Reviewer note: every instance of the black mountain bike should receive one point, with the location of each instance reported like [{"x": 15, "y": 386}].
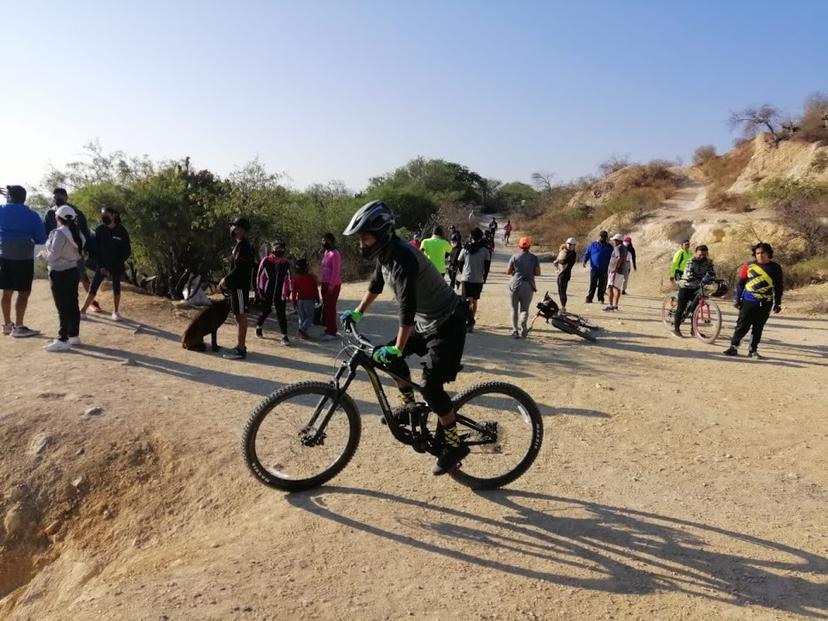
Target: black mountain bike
[
  {"x": 304, "y": 434},
  {"x": 566, "y": 322}
]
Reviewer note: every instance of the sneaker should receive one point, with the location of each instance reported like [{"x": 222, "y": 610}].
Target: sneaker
[
  {"x": 587, "y": 301},
  {"x": 74, "y": 340},
  {"x": 731, "y": 351},
  {"x": 515, "y": 334},
  {"x": 752, "y": 353},
  {"x": 449, "y": 458},
  {"x": 259, "y": 332},
  {"x": 57, "y": 345},
  {"x": 677, "y": 333},
  {"x": 235, "y": 354},
  {"x": 285, "y": 340},
  {"x": 609, "y": 308},
  {"x": 116, "y": 317},
  {"x": 8, "y": 328},
  {"x": 22, "y": 332},
  {"x": 623, "y": 293},
  {"x": 524, "y": 333}
]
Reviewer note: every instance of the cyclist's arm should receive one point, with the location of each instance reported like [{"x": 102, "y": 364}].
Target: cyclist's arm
[
  {"x": 366, "y": 301},
  {"x": 741, "y": 282},
  {"x": 375, "y": 287},
  {"x": 510, "y": 269},
  {"x": 403, "y": 334}
]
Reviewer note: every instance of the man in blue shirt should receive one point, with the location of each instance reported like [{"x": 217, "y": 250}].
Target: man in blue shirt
[
  {"x": 598, "y": 254},
  {"x": 20, "y": 229}
]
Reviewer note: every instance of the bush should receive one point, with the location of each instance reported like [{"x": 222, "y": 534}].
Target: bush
[
  {"x": 801, "y": 205},
  {"x": 726, "y": 201},
  {"x": 704, "y": 154},
  {"x": 807, "y": 272},
  {"x": 812, "y": 126},
  {"x": 613, "y": 164}
]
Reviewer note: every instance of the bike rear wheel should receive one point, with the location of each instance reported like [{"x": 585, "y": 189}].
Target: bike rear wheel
[
  {"x": 278, "y": 445},
  {"x": 707, "y": 321},
  {"x": 581, "y": 321},
  {"x": 668, "y": 311},
  {"x": 571, "y": 328},
  {"x": 504, "y": 430}
]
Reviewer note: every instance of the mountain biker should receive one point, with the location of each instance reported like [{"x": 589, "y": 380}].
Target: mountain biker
[
  {"x": 758, "y": 291},
  {"x": 523, "y": 267},
  {"x": 598, "y": 255},
  {"x": 475, "y": 256},
  {"x": 565, "y": 261},
  {"x": 436, "y": 248},
  {"x": 695, "y": 272},
  {"x": 615, "y": 272},
  {"x": 507, "y": 232},
  {"x": 237, "y": 282},
  {"x": 432, "y": 320},
  {"x": 680, "y": 259},
  {"x": 631, "y": 264}
]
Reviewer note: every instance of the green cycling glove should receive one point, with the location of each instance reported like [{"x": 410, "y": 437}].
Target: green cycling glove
[{"x": 387, "y": 354}]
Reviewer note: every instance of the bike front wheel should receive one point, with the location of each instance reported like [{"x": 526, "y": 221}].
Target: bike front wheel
[
  {"x": 707, "y": 321},
  {"x": 668, "y": 312},
  {"x": 503, "y": 428},
  {"x": 283, "y": 444},
  {"x": 573, "y": 328}
]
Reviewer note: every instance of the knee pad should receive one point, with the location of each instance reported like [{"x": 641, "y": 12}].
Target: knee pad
[{"x": 435, "y": 395}]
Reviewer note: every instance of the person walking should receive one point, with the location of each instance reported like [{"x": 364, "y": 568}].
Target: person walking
[
  {"x": 237, "y": 284},
  {"x": 564, "y": 263},
  {"x": 523, "y": 268},
  {"x": 273, "y": 288},
  {"x": 507, "y": 232},
  {"x": 695, "y": 272},
  {"x": 305, "y": 297},
  {"x": 112, "y": 248},
  {"x": 493, "y": 227},
  {"x": 680, "y": 259},
  {"x": 615, "y": 272},
  {"x": 598, "y": 255},
  {"x": 631, "y": 264},
  {"x": 62, "y": 253},
  {"x": 452, "y": 263},
  {"x": 331, "y": 284},
  {"x": 436, "y": 248},
  {"x": 474, "y": 257},
  {"x": 20, "y": 229},
  {"x": 758, "y": 291}
]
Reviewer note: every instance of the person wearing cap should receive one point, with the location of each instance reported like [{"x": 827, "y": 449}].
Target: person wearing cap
[
  {"x": 598, "y": 255},
  {"x": 680, "y": 259},
  {"x": 20, "y": 229},
  {"x": 523, "y": 268},
  {"x": 62, "y": 253},
  {"x": 111, "y": 249},
  {"x": 564, "y": 262},
  {"x": 615, "y": 272},
  {"x": 61, "y": 198},
  {"x": 237, "y": 284},
  {"x": 630, "y": 265},
  {"x": 273, "y": 288}
]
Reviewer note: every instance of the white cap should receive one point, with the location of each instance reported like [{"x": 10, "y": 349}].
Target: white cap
[
  {"x": 65, "y": 212},
  {"x": 571, "y": 240},
  {"x": 618, "y": 237}
]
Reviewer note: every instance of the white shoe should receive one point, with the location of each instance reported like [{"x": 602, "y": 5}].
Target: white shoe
[
  {"x": 57, "y": 345},
  {"x": 74, "y": 340},
  {"x": 116, "y": 317}
]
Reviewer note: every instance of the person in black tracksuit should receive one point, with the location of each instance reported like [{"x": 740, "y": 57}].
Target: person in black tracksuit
[
  {"x": 237, "y": 284},
  {"x": 111, "y": 248},
  {"x": 758, "y": 291},
  {"x": 569, "y": 259},
  {"x": 273, "y": 286}
]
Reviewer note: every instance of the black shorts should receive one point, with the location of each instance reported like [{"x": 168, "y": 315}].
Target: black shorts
[
  {"x": 16, "y": 275},
  {"x": 443, "y": 350},
  {"x": 240, "y": 301},
  {"x": 472, "y": 290}
]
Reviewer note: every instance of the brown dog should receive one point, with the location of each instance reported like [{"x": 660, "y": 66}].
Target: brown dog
[{"x": 206, "y": 322}]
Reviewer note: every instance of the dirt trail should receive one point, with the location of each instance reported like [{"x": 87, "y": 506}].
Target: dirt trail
[{"x": 673, "y": 482}]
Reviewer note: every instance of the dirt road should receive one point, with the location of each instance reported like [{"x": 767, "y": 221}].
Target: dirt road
[{"x": 673, "y": 482}]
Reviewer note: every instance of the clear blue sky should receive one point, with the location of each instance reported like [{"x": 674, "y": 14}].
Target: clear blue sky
[{"x": 348, "y": 90}]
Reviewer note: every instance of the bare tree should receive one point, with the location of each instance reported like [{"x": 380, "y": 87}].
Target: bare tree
[
  {"x": 613, "y": 164},
  {"x": 754, "y": 120},
  {"x": 542, "y": 180}
]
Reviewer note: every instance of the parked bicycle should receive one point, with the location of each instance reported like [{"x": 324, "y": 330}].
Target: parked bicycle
[
  {"x": 566, "y": 322},
  {"x": 703, "y": 313},
  {"x": 303, "y": 435}
]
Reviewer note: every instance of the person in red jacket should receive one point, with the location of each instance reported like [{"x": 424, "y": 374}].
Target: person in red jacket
[
  {"x": 305, "y": 297},
  {"x": 273, "y": 286}
]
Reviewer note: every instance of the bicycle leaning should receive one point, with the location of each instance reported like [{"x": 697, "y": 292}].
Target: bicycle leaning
[
  {"x": 304, "y": 434},
  {"x": 704, "y": 314}
]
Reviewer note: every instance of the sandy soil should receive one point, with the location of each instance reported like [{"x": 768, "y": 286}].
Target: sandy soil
[{"x": 673, "y": 483}]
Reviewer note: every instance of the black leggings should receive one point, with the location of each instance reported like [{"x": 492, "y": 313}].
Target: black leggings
[
  {"x": 65, "y": 293},
  {"x": 280, "y": 314},
  {"x": 563, "y": 283},
  {"x": 597, "y": 284},
  {"x": 98, "y": 278},
  {"x": 685, "y": 296},
  {"x": 752, "y": 316}
]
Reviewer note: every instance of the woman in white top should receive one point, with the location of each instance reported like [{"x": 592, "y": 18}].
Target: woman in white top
[{"x": 62, "y": 253}]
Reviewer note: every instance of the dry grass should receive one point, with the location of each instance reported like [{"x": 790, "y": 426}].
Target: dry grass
[{"x": 721, "y": 172}]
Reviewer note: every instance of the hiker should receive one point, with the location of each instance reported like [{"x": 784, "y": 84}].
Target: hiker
[
  {"x": 758, "y": 291},
  {"x": 61, "y": 198},
  {"x": 680, "y": 259},
  {"x": 111, "y": 249},
  {"x": 237, "y": 284},
  {"x": 453, "y": 264},
  {"x": 62, "y": 253},
  {"x": 436, "y": 248},
  {"x": 631, "y": 264},
  {"x": 507, "y": 232},
  {"x": 615, "y": 272},
  {"x": 331, "y": 284},
  {"x": 598, "y": 255},
  {"x": 273, "y": 288},
  {"x": 20, "y": 229},
  {"x": 474, "y": 257},
  {"x": 564, "y": 263},
  {"x": 523, "y": 268},
  {"x": 305, "y": 297},
  {"x": 493, "y": 226}
]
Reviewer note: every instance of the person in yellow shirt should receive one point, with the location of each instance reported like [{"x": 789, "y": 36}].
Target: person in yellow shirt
[
  {"x": 436, "y": 248},
  {"x": 680, "y": 259}
]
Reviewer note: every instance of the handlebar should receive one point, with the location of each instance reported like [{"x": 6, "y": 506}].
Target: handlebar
[{"x": 351, "y": 330}]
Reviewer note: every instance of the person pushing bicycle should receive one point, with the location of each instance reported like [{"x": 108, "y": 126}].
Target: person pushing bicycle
[
  {"x": 696, "y": 272},
  {"x": 432, "y": 320}
]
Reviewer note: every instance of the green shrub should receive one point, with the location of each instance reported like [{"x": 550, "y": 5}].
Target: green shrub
[{"x": 807, "y": 272}]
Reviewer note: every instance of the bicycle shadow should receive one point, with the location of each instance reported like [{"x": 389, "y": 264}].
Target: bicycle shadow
[{"x": 591, "y": 546}]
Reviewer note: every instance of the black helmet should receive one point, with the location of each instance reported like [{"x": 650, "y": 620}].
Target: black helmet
[
  {"x": 242, "y": 223},
  {"x": 374, "y": 218}
]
